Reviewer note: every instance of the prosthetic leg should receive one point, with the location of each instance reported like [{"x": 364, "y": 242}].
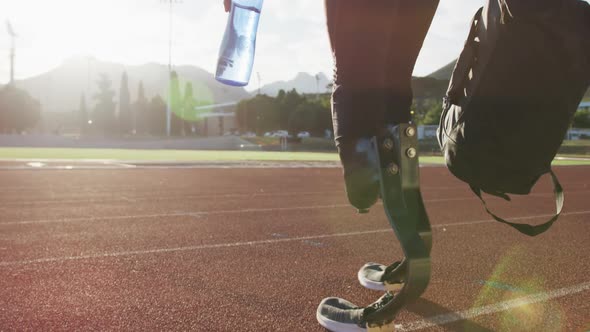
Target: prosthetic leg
[
  {"x": 395, "y": 156},
  {"x": 376, "y": 44}
]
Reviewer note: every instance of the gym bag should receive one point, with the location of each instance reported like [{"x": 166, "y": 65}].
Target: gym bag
[{"x": 514, "y": 90}]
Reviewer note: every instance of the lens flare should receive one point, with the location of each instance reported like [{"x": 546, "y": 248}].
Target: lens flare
[
  {"x": 203, "y": 97},
  {"x": 185, "y": 104},
  {"x": 511, "y": 280}
]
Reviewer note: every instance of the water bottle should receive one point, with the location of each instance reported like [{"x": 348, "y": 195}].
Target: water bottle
[{"x": 236, "y": 55}]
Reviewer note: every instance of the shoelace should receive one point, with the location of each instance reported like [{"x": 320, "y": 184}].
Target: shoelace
[{"x": 377, "y": 305}]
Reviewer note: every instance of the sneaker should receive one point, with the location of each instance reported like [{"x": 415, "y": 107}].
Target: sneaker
[
  {"x": 371, "y": 276},
  {"x": 339, "y": 315}
]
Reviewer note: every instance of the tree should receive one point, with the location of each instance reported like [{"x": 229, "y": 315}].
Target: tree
[
  {"x": 18, "y": 110},
  {"x": 427, "y": 111},
  {"x": 104, "y": 111},
  {"x": 433, "y": 113},
  {"x": 281, "y": 96},
  {"x": 581, "y": 119},
  {"x": 429, "y": 88},
  {"x": 310, "y": 116},
  {"x": 188, "y": 105},
  {"x": 259, "y": 114},
  {"x": 246, "y": 116},
  {"x": 83, "y": 115},
  {"x": 289, "y": 110},
  {"x": 157, "y": 116},
  {"x": 176, "y": 120},
  {"x": 140, "y": 112},
  {"x": 124, "y": 106},
  {"x": 287, "y": 104}
]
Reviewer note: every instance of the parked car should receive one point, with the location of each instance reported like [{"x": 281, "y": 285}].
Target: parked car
[
  {"x": 282, "y": 133},
  {"x": 277, "y": 133},
  {"x": 232, "y": 132},
  {"x": 303, "y": 134}
]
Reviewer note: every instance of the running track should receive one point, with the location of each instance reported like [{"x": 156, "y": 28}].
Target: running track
[{"x": 241, "y": 249}]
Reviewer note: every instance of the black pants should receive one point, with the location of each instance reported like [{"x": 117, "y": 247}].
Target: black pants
[{"x": 375, "y": 45}]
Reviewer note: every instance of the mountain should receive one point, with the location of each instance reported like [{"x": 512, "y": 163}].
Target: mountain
[
  {"x": 303, "y": 83},
  {"x": 423, "y": 87},
  {"x": 59, "y": 89},
  {"x": 429, "y": 88},
  {"x": 445, "y": 72}
]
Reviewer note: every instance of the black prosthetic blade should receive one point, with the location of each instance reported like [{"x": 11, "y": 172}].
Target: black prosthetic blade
[{"x": 397, "y": 153}]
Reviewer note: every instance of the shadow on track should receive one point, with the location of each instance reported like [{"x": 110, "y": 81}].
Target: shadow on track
[{"x": 429, "y": 309}]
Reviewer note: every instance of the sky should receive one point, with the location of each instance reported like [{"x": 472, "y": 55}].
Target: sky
[{"x": 292, "y": 35}]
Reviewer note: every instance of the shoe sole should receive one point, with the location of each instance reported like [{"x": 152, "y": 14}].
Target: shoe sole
[
  {"x": 370, "y": 284},
  {"x": 377, "y": 285},
  {"x": 367, "y": 283}
]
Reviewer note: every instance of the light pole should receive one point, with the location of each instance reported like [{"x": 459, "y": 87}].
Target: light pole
[
  {"x": 317, "y": 82},
  {"x": 259, "y": 79},
  {"x": 12, "y": 50},
  {"x": 168, "y": 104}
]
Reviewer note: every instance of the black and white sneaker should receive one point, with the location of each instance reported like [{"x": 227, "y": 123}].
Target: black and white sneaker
[
  {"x": 371, "y": 276},
  {"x": 339, "y": 315}
]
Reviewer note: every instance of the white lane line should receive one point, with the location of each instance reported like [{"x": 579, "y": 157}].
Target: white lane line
[
  {"x": 36, "y": 164},
  {"x": 483, "y": 221},
  {"x": 191, "y": 248},
  {"x": 179, "y": 214},
  {"x": 249, "y": 243},
  {"x": 201, "y": 213},
  {"x": 107, "y": 199},
  {"x": 493, "y": 308}
]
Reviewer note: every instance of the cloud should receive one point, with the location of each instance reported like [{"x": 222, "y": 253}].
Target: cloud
[
  {"x": 447, "y": 34},
  {"x": 300, "y": 40}
]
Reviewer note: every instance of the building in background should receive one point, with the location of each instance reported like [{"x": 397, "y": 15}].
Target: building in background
[
  {"x": 426, "y": 132},
  {"x": 216, "y": 119}
]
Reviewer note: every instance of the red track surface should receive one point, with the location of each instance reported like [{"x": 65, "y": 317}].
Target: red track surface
[{"x": 257, "y": 249}]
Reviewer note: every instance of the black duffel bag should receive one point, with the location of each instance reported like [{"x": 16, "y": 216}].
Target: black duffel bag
[{"x": 514, "y": 90}]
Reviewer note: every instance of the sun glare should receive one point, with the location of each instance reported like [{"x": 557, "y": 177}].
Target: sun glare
[
  {"x": 109, "y": 30},
  {"x": 508, "y": 282}
]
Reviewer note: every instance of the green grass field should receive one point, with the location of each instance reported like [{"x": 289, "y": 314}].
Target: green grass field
[
  {"x": 196, "y": 156},
  {"x": 580, "y": 142},
  {"x": 161, "y": 155}
]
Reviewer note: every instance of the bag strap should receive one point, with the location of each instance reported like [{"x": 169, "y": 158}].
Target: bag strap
[
  {"x": 527, "y": 229},
  {"x": 465, "y": 62}
]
